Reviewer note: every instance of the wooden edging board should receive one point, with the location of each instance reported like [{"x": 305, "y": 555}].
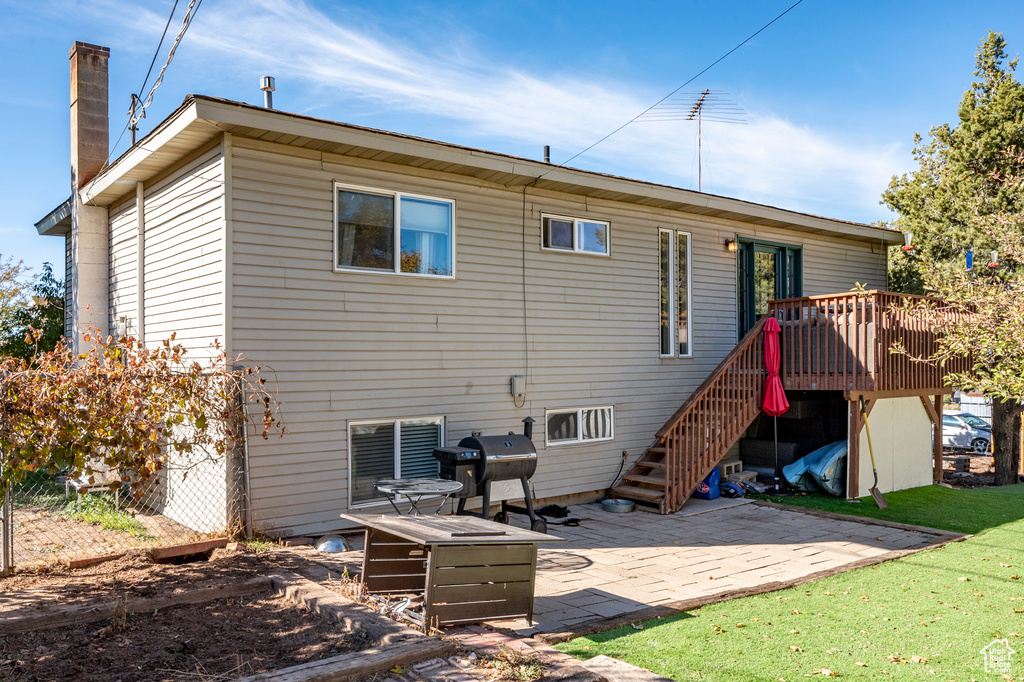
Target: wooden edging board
[
  {"x": 400, "y": 644},
  {"x": 62, "y": 615},
  {"x": 163, "y": 553},
  {"x": 359, "y": 664},
  {"x": 353, "y": 616},
  {"x": 672, "y": 608}
]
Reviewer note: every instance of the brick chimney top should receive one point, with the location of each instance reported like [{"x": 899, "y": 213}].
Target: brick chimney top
[
  {"x": 88, "y": 49},
  {"x": 89, "y": 115}
]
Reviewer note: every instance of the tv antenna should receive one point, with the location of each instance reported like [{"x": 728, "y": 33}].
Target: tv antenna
[{"x": 711, "y": 105}]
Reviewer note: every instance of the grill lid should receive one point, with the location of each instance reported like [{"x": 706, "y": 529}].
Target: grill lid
[{"x": 513, "y": 446}]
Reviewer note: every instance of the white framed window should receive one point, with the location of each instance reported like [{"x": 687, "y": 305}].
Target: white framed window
[
  {"x": 391, "y": 448},
  {"x": 674, "y": 292},
  {"x": 561, "y": 233},
  {"x": 580, "y": 425},
  {"x": 393, "y": 232}
]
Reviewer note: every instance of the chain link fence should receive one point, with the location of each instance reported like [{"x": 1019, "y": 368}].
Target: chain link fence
[{"x": 52, "y": 519}]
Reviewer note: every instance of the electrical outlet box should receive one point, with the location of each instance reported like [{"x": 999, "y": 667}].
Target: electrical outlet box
[{"x": 518, "y": 386}]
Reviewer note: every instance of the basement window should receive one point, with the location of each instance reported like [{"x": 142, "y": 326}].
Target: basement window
[
  {"x": 561, "y": 233},
  {"x": 393, "y": 232},
  {"x": 394, "y": 448},
  {"x": 581, "y": 425}
]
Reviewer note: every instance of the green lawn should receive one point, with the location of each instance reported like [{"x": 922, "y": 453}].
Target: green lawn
[
  {"x": 99, "y": 510},
  {"x": 926, "y": 616},
  {"x": 959, "y": 510}
]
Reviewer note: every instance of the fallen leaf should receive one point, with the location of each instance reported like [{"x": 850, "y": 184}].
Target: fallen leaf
[
  {"x": 861, "y": 664},
  {"x": 794, "y": 632},
  {"x": 793, "y": 647},
  {"x": 796, "y": 612},
  {"x": 918, "y": 659},
  {"x": 636, "y": 626},
  {"x": 740, "y": 625},
  {"x": 1004, "y": 565},
  {"x": 398, "y": 670},
  {"x": 897, "y": 659},
  {"x": 964, "y": 579}
]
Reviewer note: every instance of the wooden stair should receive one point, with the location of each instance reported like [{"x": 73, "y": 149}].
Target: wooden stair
[{"x": 701, "y": 432}]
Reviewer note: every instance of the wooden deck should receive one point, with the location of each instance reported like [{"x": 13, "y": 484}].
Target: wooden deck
[{"x": 866, "y": 344}]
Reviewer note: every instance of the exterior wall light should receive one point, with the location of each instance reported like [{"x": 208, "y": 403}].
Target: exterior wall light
[{"x": 732, "y": 245}]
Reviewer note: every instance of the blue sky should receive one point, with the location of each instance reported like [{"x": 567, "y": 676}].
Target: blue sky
[{"x": 832, "y": 93}]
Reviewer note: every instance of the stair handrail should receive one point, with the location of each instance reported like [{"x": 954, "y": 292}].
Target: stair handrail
[
  {"x": 750, "y": 338},
  {"x": 696, "y": 439}
]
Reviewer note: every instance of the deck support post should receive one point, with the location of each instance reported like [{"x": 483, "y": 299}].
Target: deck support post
[
  {"x": 937, "y": 440},
  {"x": 853, "y": 453}
]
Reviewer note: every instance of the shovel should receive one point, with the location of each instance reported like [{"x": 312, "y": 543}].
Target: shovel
[{"x": 875, "y": 492}]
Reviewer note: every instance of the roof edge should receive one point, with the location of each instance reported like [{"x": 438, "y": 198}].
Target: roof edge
[{"x": 57, "y": 222}]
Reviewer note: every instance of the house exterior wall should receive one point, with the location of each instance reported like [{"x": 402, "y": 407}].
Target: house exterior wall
[
  {"x": 350, "y": 346},
  {"x": 183, "y": 290},
  {"x": 184, "y": 280},
  {"x": 901, "y": 434}
]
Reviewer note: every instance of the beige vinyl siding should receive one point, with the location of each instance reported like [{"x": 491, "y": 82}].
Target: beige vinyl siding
[
  {"x": 184, "y": 269},
  {"x": 351, "y": 346},
  {"x": 68, "y": 288},
  {"x": 124, "y": 261},
  {"x": 183, "y": 294}
]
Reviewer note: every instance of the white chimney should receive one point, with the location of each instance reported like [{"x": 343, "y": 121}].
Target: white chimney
[{"x": 90, "y": 138}]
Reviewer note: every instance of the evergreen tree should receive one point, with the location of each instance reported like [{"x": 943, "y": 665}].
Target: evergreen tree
[
  {"x": 968, "y": 194},
  {"x": 965, "y": 172}
]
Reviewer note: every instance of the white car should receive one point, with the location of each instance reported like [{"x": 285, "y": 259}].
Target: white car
[{"x": 963, "y": 431}]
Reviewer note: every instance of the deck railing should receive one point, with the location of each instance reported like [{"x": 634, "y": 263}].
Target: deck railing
[
  {"x": 844, "y": 342},
  {"x": 703, "y": 429},
  {"x": 836, "y": 342}
]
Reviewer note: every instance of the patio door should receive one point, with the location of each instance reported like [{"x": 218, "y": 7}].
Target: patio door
[{"x": 765, "y": 272}]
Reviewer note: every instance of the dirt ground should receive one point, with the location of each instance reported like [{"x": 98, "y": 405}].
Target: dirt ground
[
  {"x": 222, "y": 639},
  {"x": 982, "y": 472},
  {"x": 218, "y": 640},
  {"x": 134, "y": 575}
]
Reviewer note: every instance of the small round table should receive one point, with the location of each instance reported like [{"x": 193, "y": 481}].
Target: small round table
[{"x": 417, "y": 490}]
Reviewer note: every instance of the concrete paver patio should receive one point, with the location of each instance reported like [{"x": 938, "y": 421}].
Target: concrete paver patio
[{"x": 613, "y": 565}]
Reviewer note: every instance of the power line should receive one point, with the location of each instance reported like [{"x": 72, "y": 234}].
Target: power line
[
  {"x": 156, "y": 53},
  {"x": 140, "y": 112},
  {"x": 136, "y": 99},
  {"x": 695, "y": 77}
]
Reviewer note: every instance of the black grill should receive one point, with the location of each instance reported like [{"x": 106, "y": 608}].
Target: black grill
[{"x": 479, "y": 461}]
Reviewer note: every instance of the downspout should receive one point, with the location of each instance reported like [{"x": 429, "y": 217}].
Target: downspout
[{"x": 140, "y": 269}]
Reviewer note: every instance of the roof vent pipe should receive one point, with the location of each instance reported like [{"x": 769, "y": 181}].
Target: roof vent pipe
[
  {"x": 547, "y": 153},
  {"x": 267, "y": 86}
]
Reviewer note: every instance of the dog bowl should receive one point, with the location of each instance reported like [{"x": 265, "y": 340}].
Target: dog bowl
[
  {"x": 617, "y": 506},
  {"x": 332, "y": 544}
]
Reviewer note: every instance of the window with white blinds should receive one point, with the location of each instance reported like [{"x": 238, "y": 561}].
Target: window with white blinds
[
  {"x": 401, "y": 448},
  {"x": 580, "y": 425}
]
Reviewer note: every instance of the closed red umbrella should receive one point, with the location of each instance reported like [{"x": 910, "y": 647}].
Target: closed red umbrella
[
  {"x": 773, "y": 399},
  {"x": 773, "y": 396}
]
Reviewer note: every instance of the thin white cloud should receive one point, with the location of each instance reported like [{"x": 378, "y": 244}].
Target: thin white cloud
[{"x": 346, "y": 58}]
